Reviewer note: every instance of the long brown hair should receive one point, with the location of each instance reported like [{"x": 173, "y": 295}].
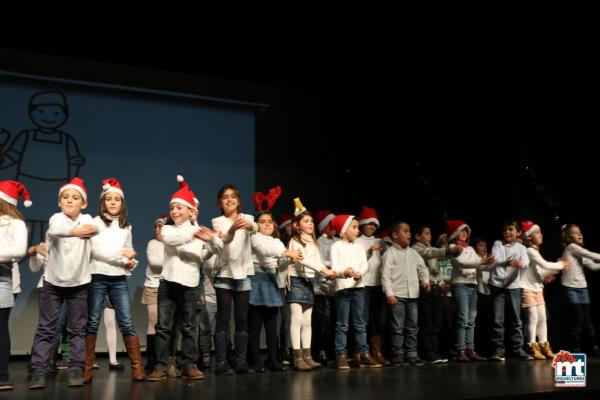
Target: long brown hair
[
  {"x": 296, "y": 234},
  {"x": 565, "y": 234},
  {"x": 8, "y": 209},
  {"x": 235, "y": 191},
  {"x": 123, "y": 223}
]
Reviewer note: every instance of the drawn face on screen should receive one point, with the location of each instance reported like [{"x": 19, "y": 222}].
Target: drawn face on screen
[{"x": 48, "y": 116}]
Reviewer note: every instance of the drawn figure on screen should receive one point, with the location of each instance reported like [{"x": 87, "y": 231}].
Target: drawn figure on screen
[
  {"x": 4, "y": 138},
  {"x": 58, "y": 150}
]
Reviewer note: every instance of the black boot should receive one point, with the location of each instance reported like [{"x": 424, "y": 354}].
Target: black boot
[
  {"x": 241, "y": 351},
  {"x": 221, "y": 344},
  {"x": 150, "y": 354}
]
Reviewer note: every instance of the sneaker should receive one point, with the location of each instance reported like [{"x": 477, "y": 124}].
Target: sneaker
[
  {"x": 415, "y": 362},
  {"x": 398, "y": 361},
  {"x": 497, "y": 357},
  {"x": 436, "y": 359},
  {"x": 5, "y": 383},
  {"x": 366, "y": 360},
  {"x": 38, "y": 380},
  {"x": 96, "y": 366},
  {"x": 521, "y": 355},
  {"x": 62, "y": 364},
  {"x": 222, "y": 368},
  {"x": 117, "y": 366},
  {"x": 75, "y": 377}
]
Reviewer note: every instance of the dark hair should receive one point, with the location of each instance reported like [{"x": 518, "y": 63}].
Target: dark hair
[
  {"x": 222, "y": 192},
  {"x": 476, "y": 241},
  {"x": 512, "y": 222},
  {"x": 123, "y": 223},
  {"x": 296, "y": 234},
  {"x": 275, "y": 233},
  {"x": 564, "y": 233},
  {"x": 395, "y": 226}
]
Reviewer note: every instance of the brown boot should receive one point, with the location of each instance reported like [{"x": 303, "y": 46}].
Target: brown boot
[
  {"x": 474, "y": 356},
  {"x": 366, "y": 360},
  {"x": 299, "y": 363},
  {"x": 90, "y": 357},
  {"x": 157, "y": 375},
  {"x": 376, "y": 351},
  {"x": 356, "y": 358},
  {"x": 534, "y": 351},
  {"x": 172, "y": 370},
  {"x": 192, "y": 373},
  {"x": 546, "y": 350},
  {"x": 462, "y": 357},
  {"x": 132, "y": 345},
  {"x": 308, "y": 359},
  {"x": 342, "y": 361}
]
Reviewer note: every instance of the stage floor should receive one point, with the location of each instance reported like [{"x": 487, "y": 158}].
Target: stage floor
[{"x": 516, "y": 379}]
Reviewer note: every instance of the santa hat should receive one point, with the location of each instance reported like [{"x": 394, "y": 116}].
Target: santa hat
[
  {"x": 454, "y": 227},
  {"x": 11, "y": 190},
  {"x": 384, "y": 234},
  {"x": 112, "y": 185},
  {"x": 184, "y": 195},
  {"x": 75, "y": 184},
  {"x": 298, "y": 207},
  {"x": 285, "y": 220},
  {"x": 529, "y": 227},
  {"x": 341, "y": 223},
  {"x": 367, "y": 216},
  {"x": 323, "y": 219}
]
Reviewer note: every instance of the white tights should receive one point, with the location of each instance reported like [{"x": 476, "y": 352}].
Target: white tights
[
  {"x": 536, "y": 326},
  {"x": 111, "y": 334},
  {"x": 300, "y": 326}
]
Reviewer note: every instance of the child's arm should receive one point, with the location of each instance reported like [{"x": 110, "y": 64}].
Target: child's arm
[
  {"x": 500, "y": 259},
  {"x": 580, "y": 252},
  {"x": 363, "y": 266},
  {"x": 59, "y": 226},
  {"x": 536, "y": 258},
  {"x": 155, "y": 253},
  {"x": 176, "y": 236},
  {"x": 423, "y": 272},
  {"x": 37, "y": 257},
  {"x": 337, "y": 269},
  {"x": 386, "y": 278},
  {"x": 106, "y": 253},
  {"x": 469, "y": 259},
  {"x": 17, "y": 242}
]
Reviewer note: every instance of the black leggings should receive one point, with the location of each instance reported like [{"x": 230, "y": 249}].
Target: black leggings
[
  {"x": 581, "y": 322},
  {"x": 240, "y": 310},
  {"x": 257, "y": 315},
  {"x": 4, "y": 340}
]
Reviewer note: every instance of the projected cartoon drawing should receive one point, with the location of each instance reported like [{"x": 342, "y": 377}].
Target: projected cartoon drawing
[
  {"x": 4, "y": 137},
  {"x": 59, "y": 150}
]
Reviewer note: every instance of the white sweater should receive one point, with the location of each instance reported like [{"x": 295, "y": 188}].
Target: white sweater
[
  {"x": 348, "y": 255},
  {"x": 155, "y": 253},
  {"x": 403, "y": 269},
  {"x": 107, "y": 248},
  {"x": 373, "y": 275},
  {"x": 13, "y": 239},
  {"x": 465, "y": 266},
  {"x": 235, "y": 261},
  {"x": 68, "y": 262},
  {"x": 38, "y": 262},
  {"x": 532, "y": 278},
  {"x": 184, "y": 254},
  {"x": 506, "y": 276},
  {"x": 578, "y": 257},
  {"x": 310, "y": 265},
  {"x": 267, "y": 253}
]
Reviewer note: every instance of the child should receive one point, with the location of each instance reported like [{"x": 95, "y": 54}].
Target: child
[
  {"x": 155, "y": 254},
  {"x": 112, "y": 261},
  {"x": 349, "y": 263},
  {"x": 532, "y": 291},
  {"x": 510, "y": 257},
  {"x": 285, "y": 234},
  {"x": 285, "y": 228},
  {"x": 13, "y": 246},
  {"x": 575, "y": 286},
  {"x": 464, "y": 289},
  {"x": 485, "y": 309},
  {"x": 431, "y": 303},
  {"x": 374, "y": 316},
  {"x": 403, "y": 269},
  {"x": 270, "y": 260},
  {"x": 187, "y": 246},
  {"x": 323, "y": 316},
  {"x": 301, "y": 290},
  {"x": 207, "y": 315},
  {"x": 232, "y": 281},
  {"x": 66, "y": 279}
]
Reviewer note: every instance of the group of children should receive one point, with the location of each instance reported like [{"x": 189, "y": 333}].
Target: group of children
[{"x": 361, "y": 286}]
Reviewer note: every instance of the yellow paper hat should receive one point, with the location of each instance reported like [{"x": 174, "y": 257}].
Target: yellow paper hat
[{"x": 298, "y": 207}]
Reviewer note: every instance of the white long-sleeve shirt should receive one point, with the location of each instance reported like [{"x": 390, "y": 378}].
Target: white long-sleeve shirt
[
  {"x": 506, "y": 276},
  {"x": 184, "y": 254},
  {"x": 68, "y": 262},
  {"x": 348, "y": 255},
  {"x": 403, "y": 269},
  {"x": 155, "y": 254},
  {"x": 465, "y": 266},
  {"x": 36, "y": 263},
  {"x": 267, "y": 253},
  {"x": 235, "y": 261},
  {"x": 532, "y": 278},
  {"x": 13, "y": 240},
  {"x": 579, "y": 258},
  {"x": 310, "y": 265},
  {"x": 107, "y": 249},
  {"x": 323, "y": 286},
  {"x": 373, "y": 275}
]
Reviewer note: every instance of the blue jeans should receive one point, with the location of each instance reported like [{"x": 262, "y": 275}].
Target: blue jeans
[
  {"x": 403, "y": 327},
  {"x": 350, "y": 301},
  {"x": 512, "y": 298},
  {"x": 577, "y": 295},
  {"x": 118, "y": 291},
  {"x": 465, "y": 298}
]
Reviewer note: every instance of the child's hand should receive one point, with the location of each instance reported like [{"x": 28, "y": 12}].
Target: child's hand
[
  {"x": 129, "y": 264},
  {"x": 129, "y": 253},
  {"x": 357, "y": 276},
  {"x": 349, "y": 272},
  {"x": 487, "y": 260},
  {"x": 32, "y": 251},
  {"x": 239, "y": 223},
  {"x": 84, "y": 231},
  {"x": 427, "y": 287},
  {"x": 295, "y": 255},
  {"x": 203, "y": 233},
  {"x": 329, "y": 274},
  {"x": 565, "y": 263},
  {"x": 375, "y": 247},
  {"x": 549, "y": 279},
  {"x": 443, "y": 287},
  {"x": 455, "y": 251},
  {"x": 517, "y": 264},
  {"x": 38, "y": 249},
  {"x": 392, "y": 300}
]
